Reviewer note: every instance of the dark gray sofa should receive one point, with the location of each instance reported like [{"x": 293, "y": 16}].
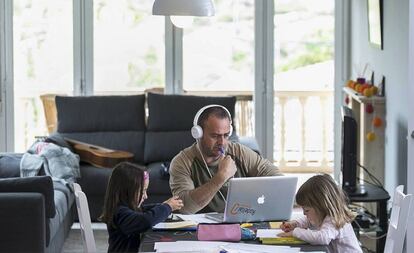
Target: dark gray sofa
[
  {"x": 121, "y": 123},
  {"x": 36, "y": 214},
  {"x": 154, "y": 128}
]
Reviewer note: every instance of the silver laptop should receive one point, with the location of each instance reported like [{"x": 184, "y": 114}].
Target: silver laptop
[{"x": 253, "y": 199}]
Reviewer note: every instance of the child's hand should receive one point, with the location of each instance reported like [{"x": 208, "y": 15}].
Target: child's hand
[
  {"x": 286, "y": 234},
  {"x": 288, "y": 226},
  {"x": 175, "y": 203}
]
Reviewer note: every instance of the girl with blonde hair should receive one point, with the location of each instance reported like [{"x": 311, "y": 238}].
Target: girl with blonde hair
[{"x": 327, "y": 218}]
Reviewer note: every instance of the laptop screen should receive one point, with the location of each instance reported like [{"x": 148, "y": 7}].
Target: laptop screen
[{"x": 260, "y": 199}]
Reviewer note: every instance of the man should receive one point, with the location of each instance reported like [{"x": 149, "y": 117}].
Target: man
[{"x": 199, "y": 174}]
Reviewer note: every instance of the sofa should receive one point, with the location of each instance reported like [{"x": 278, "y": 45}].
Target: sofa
[
  {"x": 153, "y": 127},
  {"x": 36, "y": 214}
]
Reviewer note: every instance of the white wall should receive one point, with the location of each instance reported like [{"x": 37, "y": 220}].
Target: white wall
[{"x": 391, "y": 62}]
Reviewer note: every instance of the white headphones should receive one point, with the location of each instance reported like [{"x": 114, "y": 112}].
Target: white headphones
[{"x": 197, "y": 131}]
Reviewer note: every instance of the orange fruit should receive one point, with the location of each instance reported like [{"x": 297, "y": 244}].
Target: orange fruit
[{"x": 358, "y": 87}]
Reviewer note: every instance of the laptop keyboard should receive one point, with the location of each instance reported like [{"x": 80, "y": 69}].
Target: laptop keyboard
[{"x": 215, "y": 216}]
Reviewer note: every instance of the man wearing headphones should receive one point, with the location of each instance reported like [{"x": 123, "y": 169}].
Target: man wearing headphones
[{"x": 199, "y": 174}]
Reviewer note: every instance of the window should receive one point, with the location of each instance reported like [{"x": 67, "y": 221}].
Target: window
[
  {"x": 218, "y": 57},
  {"x": 303, "y": 84},
  {"x": 218, "y": 51},
  {"x": 43, "y": 62},
  {"x": 128, "y": 47}
]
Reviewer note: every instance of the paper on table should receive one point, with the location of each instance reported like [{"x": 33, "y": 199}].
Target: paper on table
[
  {"x": 198, "y": 246},
  {"x": 187, "y": 246},
  {"x": 175, "y": 225},
  {"x": 245, "y": 247},
  {"x": 268, "y": 233},
  {"x": 199, "y": 218}
]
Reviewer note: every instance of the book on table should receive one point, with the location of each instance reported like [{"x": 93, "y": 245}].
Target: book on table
[{"x": 270, "y": 236}]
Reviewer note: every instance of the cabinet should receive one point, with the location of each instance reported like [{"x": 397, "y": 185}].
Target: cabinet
[{"x": 370, "y": 154}]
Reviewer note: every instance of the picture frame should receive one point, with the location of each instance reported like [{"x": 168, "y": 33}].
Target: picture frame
[{"x": 375, "y": 23}]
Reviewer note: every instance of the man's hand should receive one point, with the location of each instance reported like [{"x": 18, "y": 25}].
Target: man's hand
[
  {"x": 227, "y": 168},
  {"x": 175, "y": 203}
]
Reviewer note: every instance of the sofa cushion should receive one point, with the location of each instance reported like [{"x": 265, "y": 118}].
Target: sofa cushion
[
  {"x": 41, "y": 184},
  {"x": 163, "y": 146},
  {"x": 159, "y": 180},
  {"x": 176, "y": 112},
  {"x": 170, "y": 120},
  {"x": 94, "y": 180},
  {"x": 100, "y": 113},
  {"x": 10, "y": 164},
  {"x": 131, "y": 141}
]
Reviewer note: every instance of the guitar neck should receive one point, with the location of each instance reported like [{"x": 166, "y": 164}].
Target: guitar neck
[{"x": 73, "y": 142}]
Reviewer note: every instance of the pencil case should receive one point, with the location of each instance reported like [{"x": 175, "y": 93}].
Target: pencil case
[{"x": 219, "y": 232}]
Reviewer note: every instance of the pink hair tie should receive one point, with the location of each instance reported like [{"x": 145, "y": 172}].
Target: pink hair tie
[{"x": 146, "y": 175}]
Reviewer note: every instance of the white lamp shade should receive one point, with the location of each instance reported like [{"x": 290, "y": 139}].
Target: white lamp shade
[{"x": 183, "y": 8}]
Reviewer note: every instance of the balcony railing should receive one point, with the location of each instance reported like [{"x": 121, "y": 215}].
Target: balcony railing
[
  {"x": 303, "y": 142},
  {"x": 296, "y": 146}
]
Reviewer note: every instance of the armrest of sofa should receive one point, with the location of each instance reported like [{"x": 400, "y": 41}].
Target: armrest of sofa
[
  {"x": 22, "y": 222},
  {"x": 250, "y": 142},
  {"x": 10, "y": 164},
  {"x": 39, "y": 184}
]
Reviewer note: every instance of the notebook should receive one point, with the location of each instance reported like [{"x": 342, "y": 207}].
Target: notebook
[{"x": 254, "y": 199}]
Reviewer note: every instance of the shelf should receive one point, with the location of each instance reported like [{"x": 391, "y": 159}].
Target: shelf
[{"x": 363, "y": 99}]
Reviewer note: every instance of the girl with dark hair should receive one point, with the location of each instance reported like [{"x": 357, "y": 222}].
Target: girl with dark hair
[
  {"x": 327, "y": 218},
  {"x": 123, "y": 214}
]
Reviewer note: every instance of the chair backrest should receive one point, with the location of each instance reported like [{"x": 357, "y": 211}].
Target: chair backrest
[
  {"x": 88, "y": 239},
  {"x": 398, "y": 222},
  {"x": 76, "y": 187},
  {"x": 49, "y": 108}
]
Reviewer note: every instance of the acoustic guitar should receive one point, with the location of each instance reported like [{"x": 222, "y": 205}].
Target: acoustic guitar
[{"x": 99, "y": 156}]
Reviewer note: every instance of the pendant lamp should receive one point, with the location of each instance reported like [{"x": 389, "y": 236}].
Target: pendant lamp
[{"x": 183, "y": 8}]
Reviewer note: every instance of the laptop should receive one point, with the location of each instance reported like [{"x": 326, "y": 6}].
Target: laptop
[{"x": 254, "y": 199}]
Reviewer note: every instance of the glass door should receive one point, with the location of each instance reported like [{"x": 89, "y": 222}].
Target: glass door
[
  {"x": 129, "y": 51},
  {"x": 43, "y": 62},
  {"x": 303, "y": 85},
  {"x": 218, "y": 57}
]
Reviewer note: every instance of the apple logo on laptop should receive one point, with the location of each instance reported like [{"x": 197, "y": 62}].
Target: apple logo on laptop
[{"x": 261, "y": 200}]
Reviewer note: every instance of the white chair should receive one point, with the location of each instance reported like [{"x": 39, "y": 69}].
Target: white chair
[
  {"x": 84, "y": 220},
  {"x": 76, "y": 187},
  {"x": 398, "y": 223}
]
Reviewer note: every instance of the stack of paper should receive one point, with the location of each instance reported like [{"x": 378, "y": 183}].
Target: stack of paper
[{"x": 270, "y": 236}]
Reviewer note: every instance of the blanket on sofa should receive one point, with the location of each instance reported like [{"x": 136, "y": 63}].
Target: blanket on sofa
[{"x": 58, "y": 162}]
